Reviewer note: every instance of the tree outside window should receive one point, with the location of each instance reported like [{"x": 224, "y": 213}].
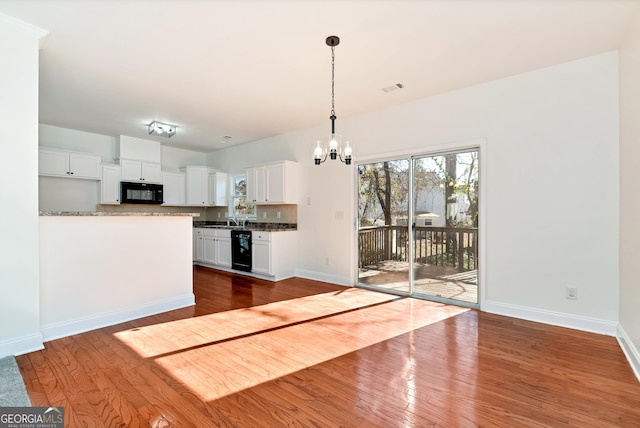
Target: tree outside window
[{"x": 241, "y": 207}]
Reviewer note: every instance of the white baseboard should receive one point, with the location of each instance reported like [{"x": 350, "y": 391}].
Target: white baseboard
[
  {"x": 75, "y": 326},
  {"x": 630, "y": 351},
  {"x": 561, "y": 319},
  {"x": 321, "y": 276},
  {"x": 21, "y": 345}
]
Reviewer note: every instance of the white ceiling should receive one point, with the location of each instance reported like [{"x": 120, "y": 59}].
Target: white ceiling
[{"x": 254, "y": 69}]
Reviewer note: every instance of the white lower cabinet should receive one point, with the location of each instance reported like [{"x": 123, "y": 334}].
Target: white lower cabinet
[
  {"x": 274, "y": 253},
  {"x": 212, "y": 247},
  {"x": 198, "y": 245},
  {"x": 261, "y": 253},
  {"x": 224, "y": 250}
]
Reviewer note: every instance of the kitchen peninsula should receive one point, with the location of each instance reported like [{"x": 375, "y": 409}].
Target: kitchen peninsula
[{"x": 104, "y": 268}]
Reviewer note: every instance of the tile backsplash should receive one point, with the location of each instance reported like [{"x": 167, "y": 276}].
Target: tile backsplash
[{"x": 264, "y": 213}]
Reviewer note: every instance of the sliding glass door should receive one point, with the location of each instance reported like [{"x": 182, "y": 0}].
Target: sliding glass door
[
  {"x": 383, "y": 234},
  {"x": 418, "y": 226}
]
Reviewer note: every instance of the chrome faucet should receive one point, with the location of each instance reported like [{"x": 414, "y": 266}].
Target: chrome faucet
[{"x": 236, "y": 221}]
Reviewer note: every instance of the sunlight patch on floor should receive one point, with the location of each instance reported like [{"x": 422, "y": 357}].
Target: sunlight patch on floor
[
  {"x": 166, "y": 338},
  {"x": 228, "y": 367}
]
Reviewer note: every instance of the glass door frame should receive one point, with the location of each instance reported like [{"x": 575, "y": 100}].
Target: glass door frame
[{"x": 477, "y": 144}]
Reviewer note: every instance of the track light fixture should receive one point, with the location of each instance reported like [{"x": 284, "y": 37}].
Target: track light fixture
[{"x": 162, "y": 129}]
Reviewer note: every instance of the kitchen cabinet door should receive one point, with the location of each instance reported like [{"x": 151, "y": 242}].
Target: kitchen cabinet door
[
  {"x": 261, "y": 252},
  {"x": 110, "y": 185},
  {"x": 218, "y": 189},
  {"x": 53, "y": 162},
  {"x": 133, "y": 170},
  {"x": 151, "y": 172},
  {"x": 256, "y": 185},
  {"x": 174, "y": 188},
  {"x": 84, "y": 166},
  {"x": 197, "y": 185},
  {"x": 274, "y": 183},
  {"x": 210, "y": 250},
  {"x": 251, "y": 184},
  {"x": 68, "y": 164},
  {"x": 198, "y": 247},
  {"x": 224, "y": 252}
]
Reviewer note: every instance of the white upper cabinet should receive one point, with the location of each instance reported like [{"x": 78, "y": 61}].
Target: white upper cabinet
[
  {"x": 68, "y": 164},
  {"x": 218, "y": 182},
  {"x": 274, "y": 183},
  {"x": 276, "y": 180},
  {"x": 174, "y": 189},
  {"x": 133, "y": 170},
  {"x": 197, "y": 185},
  {"x": 255, "y": 185},
  {"x": 206, "y": 186},
  {"x": 110, "y": 185}
]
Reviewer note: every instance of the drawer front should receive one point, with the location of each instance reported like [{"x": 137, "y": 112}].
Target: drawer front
[
  {"x": 223, "y": 233},
  {"x": 261, "y": 236}
]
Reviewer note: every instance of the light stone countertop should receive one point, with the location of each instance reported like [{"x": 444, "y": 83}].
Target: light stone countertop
[{"x": 114, "y": 214}]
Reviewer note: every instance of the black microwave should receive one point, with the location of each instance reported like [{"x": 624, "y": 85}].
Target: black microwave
[{"x": 140, "y": 193}]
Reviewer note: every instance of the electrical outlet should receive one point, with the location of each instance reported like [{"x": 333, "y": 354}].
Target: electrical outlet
[
  {"x": 264, "y": 214},
  {"x": 278, "y": 214},
  {"x": 218, "y": 214},
  {"x": 571, "y": 293}
]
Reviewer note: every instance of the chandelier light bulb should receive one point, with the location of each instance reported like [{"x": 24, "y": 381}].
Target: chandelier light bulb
[
  {"x": 317, "y": 152},
  {"x": 347, "y": 149}
]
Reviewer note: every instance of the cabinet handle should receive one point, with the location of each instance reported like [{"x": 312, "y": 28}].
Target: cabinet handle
[{"x": 71, "y": 173}]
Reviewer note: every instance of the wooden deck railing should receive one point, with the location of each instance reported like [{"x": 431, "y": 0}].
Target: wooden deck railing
[{"x": 443, "y": 246}]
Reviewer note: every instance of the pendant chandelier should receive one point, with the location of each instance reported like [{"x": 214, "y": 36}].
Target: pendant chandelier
[{"x": 332, "y": 147}]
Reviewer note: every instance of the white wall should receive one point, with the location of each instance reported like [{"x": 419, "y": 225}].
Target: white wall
[
  {"x": 67, "y": 194},
  {"x": 173, "y": 158},
  {"x": 629, "y": 200},
  {"x": 551, "y": 150},
  {"x": 19, "y": 294}
]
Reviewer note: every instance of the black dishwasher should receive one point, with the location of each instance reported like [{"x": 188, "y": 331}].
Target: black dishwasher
[{"x": 241, "y": 250}]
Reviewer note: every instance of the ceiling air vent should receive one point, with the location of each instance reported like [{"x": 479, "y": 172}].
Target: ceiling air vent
[{"x": 393, "y": 87}]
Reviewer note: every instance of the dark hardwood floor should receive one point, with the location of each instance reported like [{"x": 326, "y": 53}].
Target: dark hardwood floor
[{"x": 253, "y": 353}]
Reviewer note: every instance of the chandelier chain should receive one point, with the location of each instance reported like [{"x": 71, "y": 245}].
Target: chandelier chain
[{"x": 333, "y": 58}]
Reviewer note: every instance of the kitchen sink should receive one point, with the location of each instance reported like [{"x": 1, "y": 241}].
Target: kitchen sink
[{"x": 222, "y": 226}]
